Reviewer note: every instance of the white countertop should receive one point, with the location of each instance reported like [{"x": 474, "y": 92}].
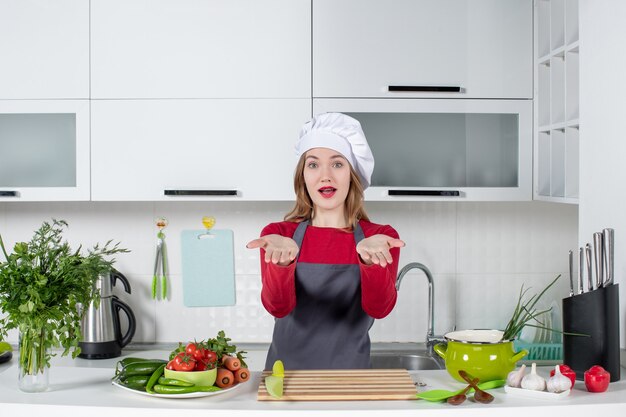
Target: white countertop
[{"x": 84, "y": 387}]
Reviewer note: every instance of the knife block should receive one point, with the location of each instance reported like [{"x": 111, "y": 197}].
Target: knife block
[{"x": 594, "y": 313}]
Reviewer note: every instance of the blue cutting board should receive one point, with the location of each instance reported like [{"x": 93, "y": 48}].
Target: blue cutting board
[{"x": 208, "y": 268}]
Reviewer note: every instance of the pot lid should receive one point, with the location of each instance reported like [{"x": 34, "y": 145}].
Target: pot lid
[{"x": 476, "y": 336}]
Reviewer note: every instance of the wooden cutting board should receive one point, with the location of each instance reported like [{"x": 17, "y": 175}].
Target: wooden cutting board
[{"x": 343, "y": 385}]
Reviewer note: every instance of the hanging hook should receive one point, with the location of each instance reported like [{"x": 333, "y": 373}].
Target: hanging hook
[{"x": 208, "y": 222}]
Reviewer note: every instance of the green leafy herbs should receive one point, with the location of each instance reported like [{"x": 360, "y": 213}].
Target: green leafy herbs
[
  {"x": 525, "y": 313},
  {"x": 43, "y": 283},
  {"x": 221, "y": 346}
]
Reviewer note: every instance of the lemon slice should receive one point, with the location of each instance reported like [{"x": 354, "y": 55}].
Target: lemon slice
[
  {"x": 278, "y": 369},
  {"x": 274, "y": 386},
  {"x": 5, "y": 347}
]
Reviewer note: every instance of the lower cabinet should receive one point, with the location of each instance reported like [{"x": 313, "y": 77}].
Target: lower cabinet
[{"x": 216, "y": 149}]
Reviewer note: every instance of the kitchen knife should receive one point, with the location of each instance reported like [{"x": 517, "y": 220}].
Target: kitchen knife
[
  {"x": 609, "y": 249},
  {"x": 598, "y": 254},
  {"x": 581, "y": 269},
  {"x": 571, "y": 273},
  {"x": 589, "y": 267}
]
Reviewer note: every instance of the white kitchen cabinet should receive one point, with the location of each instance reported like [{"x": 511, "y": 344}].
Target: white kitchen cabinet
[
  {"x": 423, "y": 48},
  {"x": 200, "y": 49},
  {"x": 44, "y": 150},
  {"x": 44, "y": 49},
  {"x": 557, "y": 101},
  {"x": 444, "y": 149},
  {"x": 173, "y": 150}
]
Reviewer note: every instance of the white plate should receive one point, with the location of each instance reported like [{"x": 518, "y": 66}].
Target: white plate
[
  {"x": 189, "y": 395},
  {"x": 529, "y": 393}
]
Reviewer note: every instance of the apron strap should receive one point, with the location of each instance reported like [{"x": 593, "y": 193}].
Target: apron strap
[{"x": 298, "y": 235}]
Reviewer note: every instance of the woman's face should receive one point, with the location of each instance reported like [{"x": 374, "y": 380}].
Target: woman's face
[{"x": 327, "y": 178}]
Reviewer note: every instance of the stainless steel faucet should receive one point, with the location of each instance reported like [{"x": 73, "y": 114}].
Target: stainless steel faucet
[{"x": 431, "y": 340}]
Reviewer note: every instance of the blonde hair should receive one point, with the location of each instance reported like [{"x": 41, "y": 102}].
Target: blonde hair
[{"x": 304, "y": 209}]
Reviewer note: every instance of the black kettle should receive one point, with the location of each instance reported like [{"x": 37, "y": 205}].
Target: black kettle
[{"x": 102, "y": 335}]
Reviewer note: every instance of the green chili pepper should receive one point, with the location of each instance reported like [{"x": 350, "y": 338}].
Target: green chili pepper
[
  {"x": 140, "y": 368},
  {"x": 137, "y": 382},
  {"x": 174, "y": 382},
  {"x": 170, "y": 389},
  {"x": 127, "y": 361},
  {"x": 154, "y": 378}
]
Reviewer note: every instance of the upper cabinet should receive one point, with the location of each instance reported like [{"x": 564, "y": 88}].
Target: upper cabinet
[
  {"x": 200, "y": 49},
  {"x": 181, "y": 150},
  {"x": 44, "y": 150},
  {"x": 44, "y": 49},
  {"x": 445, "y": 149},
  {"x": 423, "y": 48},
  {"x": 557, "y": 82}
]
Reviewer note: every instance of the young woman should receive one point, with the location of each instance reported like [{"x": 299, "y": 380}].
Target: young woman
[{"x": 327, "y": 271}]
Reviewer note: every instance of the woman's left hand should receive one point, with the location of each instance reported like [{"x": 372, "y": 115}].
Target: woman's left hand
[{"x": 375, "y": 249}]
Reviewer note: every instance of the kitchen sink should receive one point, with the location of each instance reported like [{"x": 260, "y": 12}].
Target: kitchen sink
[{"x": 409, "y": 361}]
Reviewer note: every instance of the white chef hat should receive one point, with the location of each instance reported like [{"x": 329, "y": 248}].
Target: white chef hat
[{"x": 343, "y": 134}]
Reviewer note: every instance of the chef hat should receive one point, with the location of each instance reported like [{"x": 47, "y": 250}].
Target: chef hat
[{"x": 343, "y": 134}]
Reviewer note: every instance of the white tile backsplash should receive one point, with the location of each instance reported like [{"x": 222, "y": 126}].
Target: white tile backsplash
[{"x": 479, "y": 254}]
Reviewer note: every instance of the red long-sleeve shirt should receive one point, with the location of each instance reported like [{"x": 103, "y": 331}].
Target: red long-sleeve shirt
[{"x": 323, "y": 245}]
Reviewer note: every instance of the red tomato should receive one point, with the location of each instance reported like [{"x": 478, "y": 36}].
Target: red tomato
[
  {"x": 200, "y": 366},
  {"x": 170, "y": 365},
  {"x": 184, "y": 362},
  {"x": 210, "y": 356},
  {"x": 191, "y": 349},
  {"x": 597, "y": 379},
  {"x": 197, "y": 351},
  {"x": 568, "y": 372}
]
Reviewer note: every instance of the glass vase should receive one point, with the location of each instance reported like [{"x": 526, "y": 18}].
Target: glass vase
[{"x": 33, "y": 365}]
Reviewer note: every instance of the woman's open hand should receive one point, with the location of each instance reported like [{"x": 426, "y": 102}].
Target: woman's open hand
[
  {"x": 375, "y": 249},
  {"x": 279, "y": 249}
]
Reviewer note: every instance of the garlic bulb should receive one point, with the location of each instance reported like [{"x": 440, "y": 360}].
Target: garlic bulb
[
  {"x": 533, "y": 381},
  {"x": 514, "y": 379},
  {"x": 559, "y": 382}
]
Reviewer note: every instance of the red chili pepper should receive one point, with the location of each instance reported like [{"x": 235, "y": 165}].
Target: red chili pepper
[{"x": 597, "y": 379}]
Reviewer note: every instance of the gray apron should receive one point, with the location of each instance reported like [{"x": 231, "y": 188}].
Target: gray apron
[{"x": 328, "y": 328}]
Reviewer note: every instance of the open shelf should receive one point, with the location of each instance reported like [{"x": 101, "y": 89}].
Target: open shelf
[
  {"x": 557, "y": 89},
  {"x": 571, "y": 85},
  {"x": 543, "y": 164},
  {"x": 557, "y": 24},
  {"x": 543, "y": 94},
  {"x": 557, "y": 163},
  {"x": 557, "y": 97},
  {"x": 571, "y": 162},
  {"x": 571, "y": 21}
]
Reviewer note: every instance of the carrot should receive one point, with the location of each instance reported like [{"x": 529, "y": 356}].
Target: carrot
[
  {"x": 231, "y": 363},
  {"x": 242, "y": 375},
  {"x": 225, "y": 378}
]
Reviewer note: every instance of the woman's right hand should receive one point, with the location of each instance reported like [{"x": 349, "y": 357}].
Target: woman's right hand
[{"x": 279, "y": 249}]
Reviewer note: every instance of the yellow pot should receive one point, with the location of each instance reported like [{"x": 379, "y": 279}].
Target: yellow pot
[{"x": 481, "y": 353}]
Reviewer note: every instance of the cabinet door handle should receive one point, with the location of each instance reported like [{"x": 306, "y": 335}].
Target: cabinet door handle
[
  {"x": 4, "y": 193},
  {"x": 436, "y": 193},
  {"x": 425, "y": 88},
  {"x": 187, "y": 193}
]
